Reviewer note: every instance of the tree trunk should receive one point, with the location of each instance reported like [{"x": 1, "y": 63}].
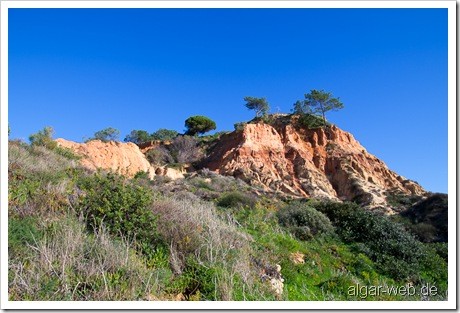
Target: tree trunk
[{"x": 324, "y": 121}]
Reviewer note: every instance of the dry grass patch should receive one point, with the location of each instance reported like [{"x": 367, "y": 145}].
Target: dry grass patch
[{"x": 70, "y": 264}]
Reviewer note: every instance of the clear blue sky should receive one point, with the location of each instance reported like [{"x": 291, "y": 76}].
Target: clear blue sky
[{"x": 82, "y": 70}]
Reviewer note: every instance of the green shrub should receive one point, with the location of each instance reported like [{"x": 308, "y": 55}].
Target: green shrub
[
  {"x": 106, "y": 134},
  {"x": 201, "y": 183},
  {"x": 303, "y": 221},
  {"x": 239, "y": 126},
  {"x": 138, "y": 137},
  {"x": 395, "y": 250},
  {"x": 122, "y": 207},
  {"x": 197, "y": 282},
  {"x": 423, "y": 231},
  {"x": 235, "y": 199},
  {"x": 22, "y": 232},
  {"x": 164, "y": 134},
  {"x": 398, "y": 201},
  {"x": 199, "y": 125},
  {"x": 67, "y": 153},
  {"x": 22, "y": 189},
  {"x": 43, "y": 138},
  {"x": 428, "y": 218},
  {"x": 440, "y": 248},
  {"x": 141, "y": 175},
  {"x": 310, "y": 121}
]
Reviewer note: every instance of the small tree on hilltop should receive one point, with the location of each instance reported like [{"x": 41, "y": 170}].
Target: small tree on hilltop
[
  {"x": 106, "y": 134},
  {"x": 318, "y": 102},
  {"x": 43, "y": 138},
  {"x": 260, "y": 105},
  {"x": 138, "y": 136},
  {"x": 199, "y": 125}
]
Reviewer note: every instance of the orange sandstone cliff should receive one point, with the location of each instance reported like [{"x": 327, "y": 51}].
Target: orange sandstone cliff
[
  {"x": 322, "y": 163},
  {"x": 279, "y": 157},
  {"x": 122, "y": 158}
]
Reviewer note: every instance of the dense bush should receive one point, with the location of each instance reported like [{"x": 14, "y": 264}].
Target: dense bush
[
  {"x": 400, "y": 201},
  {"x": 199, "y": 125},
  {"x": 235, "y": 199},
  {"x": 123, "y": 208},
  {"x": 138, "y": 136},
  {"x": 164, "y": 134},
  {"x": 396, "y": 251},
  {"x": 141, "y": 175},
  {"x": 310, "y": 121},
  {"x": 43, "y": 138},
  {"x": 428, "y": 218},
  {"x": 303, "y": 221}
]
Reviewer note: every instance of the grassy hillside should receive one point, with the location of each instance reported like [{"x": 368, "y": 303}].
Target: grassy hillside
[{"x": 76, "y": 235}]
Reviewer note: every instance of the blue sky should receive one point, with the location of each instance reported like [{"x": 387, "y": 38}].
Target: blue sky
[{"x": 82, "y": 70}]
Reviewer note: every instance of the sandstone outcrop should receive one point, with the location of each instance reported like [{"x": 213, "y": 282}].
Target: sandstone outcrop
[
  {"x": 123, "y": 158},
  {"x": 321, "y": 163}
]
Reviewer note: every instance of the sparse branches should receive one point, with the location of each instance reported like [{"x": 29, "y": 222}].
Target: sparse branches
[{"x": 185, "y": 149}]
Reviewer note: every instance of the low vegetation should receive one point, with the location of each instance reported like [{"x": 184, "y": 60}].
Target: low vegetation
[{"x": 78, "y": 235}]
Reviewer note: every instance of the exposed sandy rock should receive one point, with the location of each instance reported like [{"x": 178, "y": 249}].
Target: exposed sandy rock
[
  {"x": 307, "y": 163},
  {"x": 170, "y": 172},
  {"x": 149, "y": 145},
  {"x": 272, "y": 274},
  {"x": 122, "y": 158},
  {"x": 297, "y": 257}
]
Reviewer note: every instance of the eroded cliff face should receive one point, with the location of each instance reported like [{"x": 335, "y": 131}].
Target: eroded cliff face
[
  {"x": 320, "y": 163},
  {"x": 123, "y": 158},
  {"x": 281, "y": 158}
]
